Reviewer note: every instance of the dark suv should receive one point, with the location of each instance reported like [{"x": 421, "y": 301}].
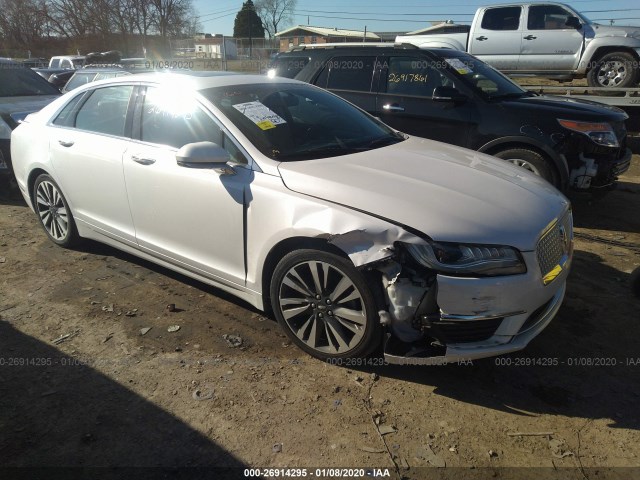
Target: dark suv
[
  {"x": 453, "y": 97},
  {"x": 22, "y": 91}
]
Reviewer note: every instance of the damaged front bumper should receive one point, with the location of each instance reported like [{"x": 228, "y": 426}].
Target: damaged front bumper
[
  {"x": 496, "y": 345},
  {"x": 454, "y": 318}
]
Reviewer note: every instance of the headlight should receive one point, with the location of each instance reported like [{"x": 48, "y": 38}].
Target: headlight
[
  {"x": 5, "y": 130},
  {"x": 483, "y": 260},
  {"x": 600, "y": 133}
]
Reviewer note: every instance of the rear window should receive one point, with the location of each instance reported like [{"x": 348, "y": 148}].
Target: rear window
[
  {"x": 78, "y": 80},
  {"x": 288, "y": 67},
  {"x": 504, "y": 18},
  {"x": 347, "y": 73}
]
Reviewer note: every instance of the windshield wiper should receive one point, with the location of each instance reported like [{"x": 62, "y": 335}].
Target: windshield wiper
[{"x": 380, "y": 142}]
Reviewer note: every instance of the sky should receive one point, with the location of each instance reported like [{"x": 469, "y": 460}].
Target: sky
[{"x": 217, "y": 16}]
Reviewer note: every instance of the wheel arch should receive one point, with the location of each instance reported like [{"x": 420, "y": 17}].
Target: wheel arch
[
  {"x": 282, "y": 248},
  {"x": 604, "y": 50},
  {"x": 506, "y": 143},
  {"x": 31, "y": 181}
]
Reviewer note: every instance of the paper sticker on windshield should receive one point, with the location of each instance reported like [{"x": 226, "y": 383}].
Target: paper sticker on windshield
[
  {"x": 459, "y": 65},
  {"x": 260, "y": 114}
]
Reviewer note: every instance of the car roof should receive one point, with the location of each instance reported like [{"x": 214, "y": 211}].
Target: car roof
[{"x": 200, "y": 80}]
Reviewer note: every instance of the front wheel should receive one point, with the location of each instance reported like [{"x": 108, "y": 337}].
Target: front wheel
[
  {"x": 325, "y": 305},
  {"x": 614, "y": 70},
  {"x": 53, "y": 212},
  {"x": 531, "y": 161}
]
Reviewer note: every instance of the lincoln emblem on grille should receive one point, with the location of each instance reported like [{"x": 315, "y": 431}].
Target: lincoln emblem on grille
[{"x": 564, "y": 238}]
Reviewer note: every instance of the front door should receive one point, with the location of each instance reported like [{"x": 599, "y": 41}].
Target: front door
[
  {"x": 547, "y": 43},
  {"x": 405, "y": 102},
  {"x": 191, "y": 217}
]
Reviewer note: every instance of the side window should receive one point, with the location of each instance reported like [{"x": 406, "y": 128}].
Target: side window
[
  {"x": 77, "y": 80},
  {"x": 547, "y": 17},
  {"x": 67, "y": 116},
  {"x": 55, "y": 63},
  {"x": 413, "y": 76},
  {"x": 105, "y": 111},
  {"x": 289, "y": 67},
  {"x": 176, "y": 122},
  {"x": 502, "y": 18},
  {"x": 348, "y": 73}
]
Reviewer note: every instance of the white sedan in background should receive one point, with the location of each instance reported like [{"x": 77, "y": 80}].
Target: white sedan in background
[{"x": 294, "y": 200}]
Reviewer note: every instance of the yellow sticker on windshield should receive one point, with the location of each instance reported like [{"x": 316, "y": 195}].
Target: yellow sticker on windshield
[{"x": 265, "y": 125}]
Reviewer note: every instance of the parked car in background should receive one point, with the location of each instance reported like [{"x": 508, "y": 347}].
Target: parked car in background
[
  {"x": 92, "y": 74},
  {"x": 67, "y": 61},
  {"x": 548, "y": 39},
  {"x": 453, "y": 97},
  {"x": 294, "y": 200},
  {"x": 22, "y": 92},
  {"x": 60, "y": 79}
]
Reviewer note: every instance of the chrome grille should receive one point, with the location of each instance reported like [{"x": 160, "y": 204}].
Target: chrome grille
[{"x": 554, "y": 244}]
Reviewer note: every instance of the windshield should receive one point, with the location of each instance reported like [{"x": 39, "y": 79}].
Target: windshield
[
  {"x": 289, "y": 122},
  {"x": 22, "y": 82},
  {"x": 481, "y": 77}
]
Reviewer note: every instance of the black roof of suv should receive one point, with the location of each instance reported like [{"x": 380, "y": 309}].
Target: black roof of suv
[{"x": 451, "y": 96}]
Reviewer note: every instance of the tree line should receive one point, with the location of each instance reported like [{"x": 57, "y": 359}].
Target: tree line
[{"x": 46, "y": 27}]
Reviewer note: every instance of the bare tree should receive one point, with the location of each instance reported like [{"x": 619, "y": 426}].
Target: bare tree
[
  {"x": 23, "y": 22},
  {"x": 275, "y": 14}
]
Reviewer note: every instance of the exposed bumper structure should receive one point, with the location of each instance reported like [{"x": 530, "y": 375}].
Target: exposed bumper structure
[{"x": 497, "y": 345}]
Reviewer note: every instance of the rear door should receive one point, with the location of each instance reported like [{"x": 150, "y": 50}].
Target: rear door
[
  {"x": 497, "y": 37},
  {"x": 547, "y": 43},
  {"x": 87, "y": 150},
  {"x": 405, "y": 100}
]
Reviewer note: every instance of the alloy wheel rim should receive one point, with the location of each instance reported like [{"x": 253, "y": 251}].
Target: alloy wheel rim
[
  {"x": 612, "y": 74},
  {"x": 518, "y": 162},
  {"x": 52, "y": 210},
  {"x": 322, "y": 307}
]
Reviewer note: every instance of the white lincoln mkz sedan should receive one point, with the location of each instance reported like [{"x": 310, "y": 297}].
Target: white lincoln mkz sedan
[{"x": 356, "y": 236}]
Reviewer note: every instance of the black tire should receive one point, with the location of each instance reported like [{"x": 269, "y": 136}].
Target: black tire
[
  {"x": 614, "y": 70},
  {"x": 532, "y": 161},
  {"x": 342, "y": 323},
  {"x": 53, "y": 212}
]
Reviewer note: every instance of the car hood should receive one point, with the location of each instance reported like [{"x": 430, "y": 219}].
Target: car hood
[
  {"x": 448, "y": 193},
  {"x": 620, "y": 31},
  {"x": 575, "y": 107},
  {"x": 14, "y": 109}
]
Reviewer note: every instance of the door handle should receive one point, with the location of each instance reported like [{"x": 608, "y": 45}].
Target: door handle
[
  {"x": 142, "y": 160},
  {"x": 482, "y": 38},
  {"x": 530, "y": 37},
  {"x": 393, "y": 108},
  {"x": 66, "y": 143}
]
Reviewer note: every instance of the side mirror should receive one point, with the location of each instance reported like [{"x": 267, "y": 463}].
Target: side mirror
[
  {"x": 203, "y": 155},
  {"x": 448, "y": 94},
  {"x": 573, "y": 22}
]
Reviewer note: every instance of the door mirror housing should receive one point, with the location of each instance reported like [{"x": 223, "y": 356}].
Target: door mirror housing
[
  {"x": 202, "y": 155},
  {"x": 448, "y": 94},
  {"x": 573, "y": 22}
]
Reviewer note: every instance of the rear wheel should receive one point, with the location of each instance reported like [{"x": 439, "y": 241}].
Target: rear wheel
[
  {"x": 53, "y": 212},
  {"x": 325, "y": 305},
  {"x": 531, "y": 161},
  {"x": 614, "y": 70}
]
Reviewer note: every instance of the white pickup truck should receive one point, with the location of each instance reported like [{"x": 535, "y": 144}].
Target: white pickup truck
[{"x": 548, "y": 39}]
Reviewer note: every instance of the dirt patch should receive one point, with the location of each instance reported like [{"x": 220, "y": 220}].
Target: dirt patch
[{"x": 92, "y": 374}]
